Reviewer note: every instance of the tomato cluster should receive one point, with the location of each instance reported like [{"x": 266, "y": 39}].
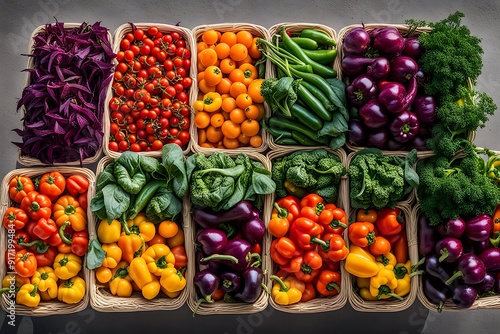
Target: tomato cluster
[{"x": 150, "y": 103}]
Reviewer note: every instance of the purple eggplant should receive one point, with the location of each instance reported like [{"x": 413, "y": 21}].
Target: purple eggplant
[
  {"x": 418, "y": 143},
  {"x": 491, "y": 258},
  {"x": 486, "y": 285},
  {"x": 452, "y": 228},
  {"x": 206, "y": 283},
  {"x": 252, "y": 285},
  {"x": 255, "y": 213},
  {"x": 207, "y": 218},
  {"x": 356, "y": 132},
  {"x": 412, "y": 48},
  {"x": 379, "y": 69},
  {"x": 464, "y": 296},
  {"x": 236, "y": 254},
  {"x": 427, "y": 236},
  {"x": 230, "y": 281},
  {"x": 253, "y": 230},
  {"x": 394, "y": 145},
  {"x": 361, "y": 90},
  {"x": 404, "y": 127},
  {"x": 356, "y": 42},
  {"x": 377, "y": 138},
  {"x": 436, "y": 291},
  {"x": 470, "y": 270},
  {"x": 353, "y": 65},
  {"x": 433, "y": 267},
  {"x": 211, "y": 240},
  {"x": 479, "y": 227},
  {"x": 424, "y": 107},
  {"x": 403, "y": 68},
  {"x": 449, "y": 248},
  {"x": 373, "y": 114},
  {"x": 395, "y": 97},
  {"x": 388, "y": 40}
]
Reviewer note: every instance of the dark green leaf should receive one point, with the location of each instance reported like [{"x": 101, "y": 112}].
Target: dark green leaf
[
  {"x": 335, "y": 127},
  {"x": 116, "y": 201},
  {"x": 95, "y": 254},
  {"x": 411, "y": 175},
  {"x": 337, "y": 142},
  {"x": 173, "y": 161}
]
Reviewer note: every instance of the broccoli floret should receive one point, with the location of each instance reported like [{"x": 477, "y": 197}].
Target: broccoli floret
[
  {"x": 300, "y": 177},
  {"x": 278, "y": 176},
  {"x": 221, "y": 160},
  {"x": 329, "y": 193}
]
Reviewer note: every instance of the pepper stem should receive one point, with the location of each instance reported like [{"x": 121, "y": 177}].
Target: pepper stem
[
  {"x": 283, "y": 287},
  {"x": 282, "y": 212},
  {"x": 444, "y": 254},
  {"x": 67, "y": 240},
  {"x": 220, "y": 257},
  {"x": 454, "y": 277}
]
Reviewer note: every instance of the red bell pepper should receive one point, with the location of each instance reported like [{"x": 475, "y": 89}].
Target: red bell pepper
[
  {"x": 328, "y": 283},
  {"x": 79, "y": 241},
  {"x": 333, "y": 218},
  {"x": 399, "y": 245},
  {"x": 47, "y": 257},
  {"x": 309, "y": 292},
  {"x": 311, "y": 207},
  {"x": 19, "y": 186},
  {"x": 286, "y": 247},
  {"x": 37, "y": 205},
  {"x": 332, "y": 247},
  {"x": 291, "y": 205},
  {"x": 15, "y": 218},
  {"x": 303, "y": 230},
  {"x": 77, "y": 184},
  {"x": 52, "y": 184},
  {"x": 44, "y": 228},
  {"x": 276, "y": 256},
  {"x": 21, "y": 237},
  {"x": 361, "y": 233},
  {"x": 305, "y": 266},
  {"x": 389, "y": 221}
]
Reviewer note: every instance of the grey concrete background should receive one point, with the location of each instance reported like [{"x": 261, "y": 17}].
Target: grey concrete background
[{"x": 19, "y": 18}]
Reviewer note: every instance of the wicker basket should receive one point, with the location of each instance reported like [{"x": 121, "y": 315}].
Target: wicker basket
[
  {"x": 318, "y": 304},
  {"x": 296, "y": 28},
  {"x": 389, "y": 305},
  {"x": 491, "y": 302},
  {"x": 410, "y": 198},
  {"x": 119, "y": 33},
  {"x": 221, "y": 307},
  {"x": 403, "y": 28},
  {"x": 197, "y": 31},
  {"x": 101, "y": 298},
  {"x": 32, "y": 161},
  {"x": 45, "y": 308}
]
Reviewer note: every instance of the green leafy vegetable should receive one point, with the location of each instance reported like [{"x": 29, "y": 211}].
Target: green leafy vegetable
[
  {"x": 163, "y": 206},
  {"x": 116, "y": 201},
  {"x": 95, "y": 254},
  {"x": 379, "y": 181},
  {"x": 457, "y": 187},
  {"x": 173, "y": 161},
  {"x": 304, "y": 172},
  {"x": 280, "y": 94}
]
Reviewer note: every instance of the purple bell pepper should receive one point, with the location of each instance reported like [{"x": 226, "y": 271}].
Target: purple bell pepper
[
  {"x": 450, "y": 249},
  {"x": 361, "y": 90},
  {"x": 470, "y": 269},
  {"x": 373, "y": 114},
  {"x": 405, "y": 126},
  {"x": 479, "y": 227},
  {"x": 395, "y": 97}
]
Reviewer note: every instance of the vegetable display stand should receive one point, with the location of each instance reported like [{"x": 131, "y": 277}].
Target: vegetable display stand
[
  {"x": 372, "y": 271},
  {"x": 311, "y": 114},
  {"x": 432, "y": 292},
  {"x": 227, "y": 134},
  {"x": 168, "y": 105},
  {"x": 101, "y": 297},
  {"x": 371, "y": 66},
  {"x": 49, "y": 143},
  {"x": 52, "y": 299},
  {"x": 211, "y": 292},
  {"x": 316, "y": 298}
]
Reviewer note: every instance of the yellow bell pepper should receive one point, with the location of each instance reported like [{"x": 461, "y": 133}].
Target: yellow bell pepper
[
  {"x": 363, "y": 288},
  {"x": 359, "y": 262},
  {"x": 109, "y": 232},
  {"x": 170, "y": 294},
  {"x": 113, "y": 255},
  {"x": 132, "y": 245},
  {"x": 71, "y": 291},
  {"x": 67, "y": 208},
  {"x": 46, "y": 280},
  {"x": 212, "y": 101},
  {"x": 121, "y": 282},
  {"x": 67, "y": 266},
  {"x": 287, "y": 291},
  {"x": 172, "y": 280},
  {"x": 141, "y": 226},
  {"x": 139, "y": 272},
  {"x": 152, "y": 289},
  {"x": 158, "y": 257},
  {"x": 15, "y": 279},
  {"x": 382, "y": 284},
  {"x": 402, "y": 272},
  {"x": 28, "y": 295},
  {"x": 387, "y": 259}
]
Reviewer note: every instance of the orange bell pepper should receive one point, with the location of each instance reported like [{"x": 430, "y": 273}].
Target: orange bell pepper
[
  {"x": 361, "y": 233},
  {"x": 328, "y": 283}
]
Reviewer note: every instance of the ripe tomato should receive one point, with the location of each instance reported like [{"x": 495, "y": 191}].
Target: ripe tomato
[
  {"x": 184, "y": 137},
  {"x": 113, "y": 146},
  {"x": 153, "y": 30}
]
